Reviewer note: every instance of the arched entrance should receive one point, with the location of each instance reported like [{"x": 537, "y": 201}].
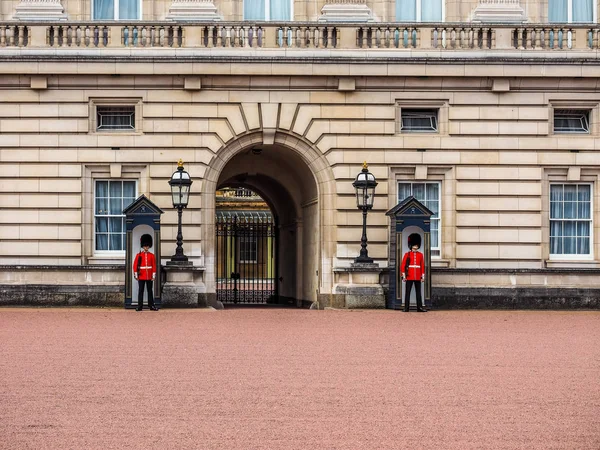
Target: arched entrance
[{"x": 294, "y": 179}]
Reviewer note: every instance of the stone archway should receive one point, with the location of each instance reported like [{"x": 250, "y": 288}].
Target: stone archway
[{"x": 297, "y": 181}]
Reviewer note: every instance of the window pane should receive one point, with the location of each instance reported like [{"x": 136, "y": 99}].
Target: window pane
[
  {"x": 571, "y": 121},
  {"x": 569, "y": 246},
  {"x": 115, "y": 117},
  {"x": 406, "y": 10},
  {"x": 129, "y": 189},
  {"x": 570, "y": 192},
  {"x": 583, "y": 193},
  {"x": 101, "y": 242},
  {"x": 557, "y": 10},
  {"x": 281, "y": 10},
  {"x": 583, "y": 210},
  {"x": 116, "y": 206},
  {"x": 431, "y": 10},
  {"x": 404, "y": 191},
  {"x": 101, "y": 224},
  {"x": 556, "y": 210},
  {"x": 254, "y": 10},
  {"x": 116, "y": 242},
  {"x": 570, "y": 210},
  {"x": 116, "y": 189},
  {"x": 419, "y": 191},
  {"x": 570, "y": 228},
  {"x": 583, "y": 246},
  {"x": 101, "y": 206},
  {"x": 556, "y": 228},
  {"x": 128, "y": 9},
  {"x": 556, "y": 247},
  {"x": 556, "y": 193},
  {"x": 583, "y": 229},
  {"x": 116, "y": 225},
  {"x": 101, "y": 188},
  {"x": 104, "y": 9},
  {"x": 583, "y": 11},
  {"x": 433, "y": 191}
]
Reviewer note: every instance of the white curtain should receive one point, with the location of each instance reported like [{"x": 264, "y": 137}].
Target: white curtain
[
  {"x": 281, "y": 10},
  {"x": 431, "y": 10},
  {"x": 583, "y": 11},
  {"x": 254, "y": 10},
  {"x": 406, "y": 10},
  {"x": 104, "y": 9},
  {"x": 129, "y": 9},
  {"x": 557, "y": 10},
  {"x": 569, "y": 235}
]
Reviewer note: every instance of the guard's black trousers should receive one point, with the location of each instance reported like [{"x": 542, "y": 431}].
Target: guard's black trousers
[
  {"x": 409, "y": 285},
  {"x": 148, "y": 284}
]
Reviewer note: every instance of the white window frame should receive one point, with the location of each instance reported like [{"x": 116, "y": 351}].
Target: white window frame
[
  {"x": 268, "y": 10},
  {"x": 116, "y": 102},
  {"x": 568, "y": 257},
  {"x": 570, "y": 11},
  {"x": 436, "y": 252},
  {"x": 116, "y": 10},
  {"x": 112, "y": 253},
  {"x": 418, "y": 9}
]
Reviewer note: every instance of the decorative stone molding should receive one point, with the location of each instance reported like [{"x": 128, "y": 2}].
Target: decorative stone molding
[
  {"x": 346, "y": 11},
  {"x": 507, "y": 11},
  {"x": 193, "y": 10},
  {"x": 40, "y": 10}
]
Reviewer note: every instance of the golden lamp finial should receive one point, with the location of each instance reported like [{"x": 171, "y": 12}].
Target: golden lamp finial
[
  {"x": 180, "y": 163},
  {"x": 365, "y": 165}
]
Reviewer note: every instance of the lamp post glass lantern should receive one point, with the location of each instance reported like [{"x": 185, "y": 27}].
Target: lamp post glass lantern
[
  {"x": 180, "y": 183},
  {"x": 364, "y": 185}
]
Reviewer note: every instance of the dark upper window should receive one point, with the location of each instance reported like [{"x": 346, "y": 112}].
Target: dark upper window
[
  {"x": 115, "y": 118},
  {"x": 571, "y": 120},
  {"x": 418, "y": 120}
]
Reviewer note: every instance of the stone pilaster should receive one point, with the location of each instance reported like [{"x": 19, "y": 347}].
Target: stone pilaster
[
  {"x": 40, "y": 10},
  {"x": 193, "y": 10},
  {"x": 499, "y": 11},
  {"x": 346, "y": 11}
]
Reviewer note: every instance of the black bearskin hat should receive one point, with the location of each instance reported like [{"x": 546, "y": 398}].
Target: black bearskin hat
[
  {"x": 414, "y": 239},
  {"x": 146, "y": 239}
]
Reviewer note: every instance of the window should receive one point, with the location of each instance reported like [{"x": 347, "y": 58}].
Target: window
[
  {"x": 420, "y": 10},
  {"x": 572, "y": 121},
  {"x": 267, "y": 10},
  {"x": 562, "y": 11},
  {"x": 248, "y": 247},
  {"x": 117, "y": 9},
  {"x": 110, "y": 118},
  {"x": 427, "y": 193},
  {"x": 570, "y": 219},
  {"x": 418, "y": 120},
  {"x": 111, "y": 197}
]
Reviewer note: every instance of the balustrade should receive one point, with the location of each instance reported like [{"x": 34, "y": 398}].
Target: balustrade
[
  {"x": 340, "y": 36},
  {"x": 544, "y": 38},
  {"x": 293, "y": 36},
  {"x": 387, "y": 37},
  {"x": 77, "y": 36},
  {"x": 463, "y": 37},
  {"x": 14, "y": 36}
]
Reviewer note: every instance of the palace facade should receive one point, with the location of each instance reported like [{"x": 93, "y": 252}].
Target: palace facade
[{"x": 488, "y": 112}]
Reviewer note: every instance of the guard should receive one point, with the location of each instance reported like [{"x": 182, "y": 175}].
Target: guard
[
  {"x": 413, "y": 271},
  {"x": 144, "y": 270}
]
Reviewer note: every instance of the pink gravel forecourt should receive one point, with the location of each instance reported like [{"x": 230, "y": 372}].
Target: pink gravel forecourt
[{"x": 261, "y": 378}]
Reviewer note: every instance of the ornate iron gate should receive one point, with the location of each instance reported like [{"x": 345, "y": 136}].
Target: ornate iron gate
[{"x": 245, "y": 261}]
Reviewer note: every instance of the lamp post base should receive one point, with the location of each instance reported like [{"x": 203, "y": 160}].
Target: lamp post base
[
  {"x": 363, "y": 260},
  {"x": 179, "y": 262}
]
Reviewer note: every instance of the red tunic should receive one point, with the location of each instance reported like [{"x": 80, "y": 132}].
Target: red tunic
[
  {"x": 144, "y": 265},
  {"x": 416, "y": 265}
]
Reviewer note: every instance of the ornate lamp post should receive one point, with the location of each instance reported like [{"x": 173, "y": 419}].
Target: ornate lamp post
[
  {"x": 364, "y": 185},
  {"x": 180, "y": 183}
]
